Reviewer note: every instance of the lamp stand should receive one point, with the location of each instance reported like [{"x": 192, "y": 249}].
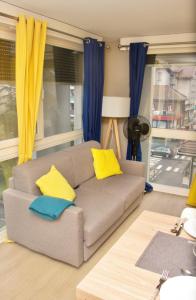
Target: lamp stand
[{"x": 113, "y": 127}]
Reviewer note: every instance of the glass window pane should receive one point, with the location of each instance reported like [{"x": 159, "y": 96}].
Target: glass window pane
[
  {"x": 5, "y": 173},
  {"x": 8, "y": 116},
  {"x": 57, "y": 148},
  {"x": 174, "y": 98},
  {"x": 62, "y": 90},
  {"x": 172, "y": 162}
]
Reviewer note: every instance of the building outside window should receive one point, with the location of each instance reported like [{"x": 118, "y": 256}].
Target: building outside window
[{"x": 174, "y": 101}]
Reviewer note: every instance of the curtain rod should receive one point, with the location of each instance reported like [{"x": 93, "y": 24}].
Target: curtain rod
[
  {"x": 52, "y": 29},
  {"x": 128, "y": 46},
  {"x": 156, "y": 44}
]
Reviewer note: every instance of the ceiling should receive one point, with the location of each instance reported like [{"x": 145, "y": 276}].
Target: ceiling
[{"x": 114, "y": 19}]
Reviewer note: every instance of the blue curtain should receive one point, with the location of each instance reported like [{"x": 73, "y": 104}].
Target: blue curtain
[
  {"x": 137, "y": 61},
  {"x": 93, "y": 88}
]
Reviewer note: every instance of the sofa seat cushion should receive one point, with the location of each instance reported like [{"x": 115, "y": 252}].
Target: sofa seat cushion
[
  {"x": 101, "y": 210},
  {"x": 125, "y": 187}
]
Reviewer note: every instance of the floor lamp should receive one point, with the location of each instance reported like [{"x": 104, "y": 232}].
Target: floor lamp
[{"x": 114, "y": 108}]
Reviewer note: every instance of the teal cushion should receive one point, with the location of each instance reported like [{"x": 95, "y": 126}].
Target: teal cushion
[{"x": 49, "y": 208}]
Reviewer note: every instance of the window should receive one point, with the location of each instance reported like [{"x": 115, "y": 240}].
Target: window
[
  {"x": 169, "y": 102},
  {"x": 59, "y": 122},
  {"x": 5, "y": 173},
  {"x": 8, "y": 117},
  {"x": 62, "y": 90},
  {"x": 171, "y": 162},
  {"x": 57, "y": 148},
  {"x": 175, "y": 102}
]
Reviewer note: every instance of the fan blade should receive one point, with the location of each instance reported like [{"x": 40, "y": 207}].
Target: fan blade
[{"x": 144, "y": 128}]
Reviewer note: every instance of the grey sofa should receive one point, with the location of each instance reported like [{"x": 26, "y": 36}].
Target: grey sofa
[{"x": 101, "y": 205}]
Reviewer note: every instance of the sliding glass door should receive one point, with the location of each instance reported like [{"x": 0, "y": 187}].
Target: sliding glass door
[{"x": 170, "y": 91}]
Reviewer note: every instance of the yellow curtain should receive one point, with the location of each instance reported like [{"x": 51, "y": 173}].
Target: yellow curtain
[
  {"x": 30, "y": 48},
  {"x": 192, "y": 193}
]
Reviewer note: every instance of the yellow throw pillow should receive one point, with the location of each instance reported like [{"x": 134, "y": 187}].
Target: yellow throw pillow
[
  {"x": 105, "y": 163},
  {"x": 192, "y": 194},
  {"x": 55, "y": 185}
]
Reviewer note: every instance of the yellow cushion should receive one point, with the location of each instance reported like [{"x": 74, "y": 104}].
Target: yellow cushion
[
  {"x": 192, "y": 194},
  {"x": 55, "y": 185},
  {"x": 105, "y": 163}
]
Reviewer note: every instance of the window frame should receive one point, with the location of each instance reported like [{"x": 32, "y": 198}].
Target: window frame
[{"x": 178, "y": 134}]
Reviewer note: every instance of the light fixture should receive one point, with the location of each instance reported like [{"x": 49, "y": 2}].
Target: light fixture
[{"x": 114, "y": 108}]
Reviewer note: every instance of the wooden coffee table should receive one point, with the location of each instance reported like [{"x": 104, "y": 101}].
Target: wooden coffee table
[{"x": 115, "y": 277}]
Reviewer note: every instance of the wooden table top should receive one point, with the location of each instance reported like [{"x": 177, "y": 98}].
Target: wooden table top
[{"x": 115, "y": 276}]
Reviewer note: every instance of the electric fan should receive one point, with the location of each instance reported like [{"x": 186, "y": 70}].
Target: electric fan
[{"x": 136, "y": 129}]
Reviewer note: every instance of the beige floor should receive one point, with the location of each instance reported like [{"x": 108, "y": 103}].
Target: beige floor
[{"x": 26, "y": 275}]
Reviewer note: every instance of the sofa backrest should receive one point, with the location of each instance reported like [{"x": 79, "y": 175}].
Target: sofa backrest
[
  {"x": 75, "y": 164},
  {"x": 82, "y": 161}
]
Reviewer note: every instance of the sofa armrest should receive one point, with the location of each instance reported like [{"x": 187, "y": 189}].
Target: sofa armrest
[
  {"x": 132, "y": 167},
  {"x": 61, "y": 239}
]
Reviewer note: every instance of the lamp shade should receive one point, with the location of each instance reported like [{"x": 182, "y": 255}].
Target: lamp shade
[{"x": 116, "y": 107}]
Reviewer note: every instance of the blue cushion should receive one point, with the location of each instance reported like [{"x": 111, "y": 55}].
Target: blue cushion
[{"x": 49, "y": 208}]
